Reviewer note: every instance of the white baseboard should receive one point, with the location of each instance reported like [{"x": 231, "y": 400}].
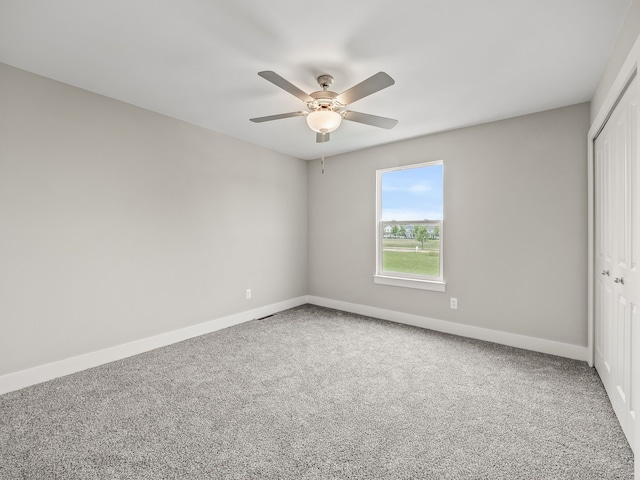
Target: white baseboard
[
  {"x": 49, "y": 371},
  {"x": 551, "y": 347}
]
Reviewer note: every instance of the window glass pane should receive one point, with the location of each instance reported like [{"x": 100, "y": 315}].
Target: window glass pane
[
  {"x": 412, "y": 248},
  {"x": 411, "y": 220},
  {"x": 412, "y": 194}
]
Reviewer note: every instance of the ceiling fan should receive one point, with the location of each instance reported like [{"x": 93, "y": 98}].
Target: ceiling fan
[{"x": 327, "y": 108}]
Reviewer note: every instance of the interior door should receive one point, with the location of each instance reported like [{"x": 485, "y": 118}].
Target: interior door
[
  {"x": 617, "y": 295},
  {"x": 604, "y": 257}
]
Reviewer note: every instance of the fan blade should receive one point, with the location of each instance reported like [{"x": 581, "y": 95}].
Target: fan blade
[
  {"x": 382, "y": 122},
  {"x": 371, "y": 85},
  {"x": 277, "y": 117},
  {"x": 322, "y": 137},
  {"x": 278, "y": 81}
]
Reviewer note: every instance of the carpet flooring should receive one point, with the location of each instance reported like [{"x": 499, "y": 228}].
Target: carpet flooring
[{"x": 314, "y": 393}]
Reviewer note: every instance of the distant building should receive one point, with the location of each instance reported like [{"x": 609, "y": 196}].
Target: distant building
[{"x": 408, "y": 231}]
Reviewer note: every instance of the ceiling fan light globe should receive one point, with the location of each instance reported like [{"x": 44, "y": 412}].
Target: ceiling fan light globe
[{"x": 324, "y": 121}]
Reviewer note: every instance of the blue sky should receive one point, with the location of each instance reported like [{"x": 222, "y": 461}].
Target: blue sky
[{"x": 412, "y": 194}]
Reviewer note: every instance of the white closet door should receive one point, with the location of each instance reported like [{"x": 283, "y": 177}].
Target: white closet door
[
  {"x": 604, "y": 255},
  {"x": 617, "y": 288}
]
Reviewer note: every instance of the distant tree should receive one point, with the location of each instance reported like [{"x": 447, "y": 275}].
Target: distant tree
[
  {"x": 403, "y": 232},
  {"x": 395, "y": 231},
  {"x": 436, "y": 232},
  {"x": 421, "y": 234}
]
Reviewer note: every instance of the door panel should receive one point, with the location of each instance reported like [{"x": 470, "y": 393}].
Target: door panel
[
  {"x": 634, "y": 401},
  {"x": 607, "y": 328},
  {"x": 620, "y": 347}
]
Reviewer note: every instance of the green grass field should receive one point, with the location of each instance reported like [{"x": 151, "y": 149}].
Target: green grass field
[
  {"x": 421, "y": 263},
  {"x": 410, "y": 243}
]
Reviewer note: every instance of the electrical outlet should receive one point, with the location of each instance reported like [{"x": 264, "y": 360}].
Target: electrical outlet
[
  {"x": 248, "y": 293},
  {"x": 454, "y": 303}
]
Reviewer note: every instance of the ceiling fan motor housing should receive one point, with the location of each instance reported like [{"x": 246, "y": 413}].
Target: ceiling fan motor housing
[{"x": 324, "y": 100}]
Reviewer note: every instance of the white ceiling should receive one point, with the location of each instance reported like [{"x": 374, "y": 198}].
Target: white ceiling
[{"x": 455, "y": 62}]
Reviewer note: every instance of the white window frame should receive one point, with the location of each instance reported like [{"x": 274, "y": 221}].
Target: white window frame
[{"x": 399, "y": 279}]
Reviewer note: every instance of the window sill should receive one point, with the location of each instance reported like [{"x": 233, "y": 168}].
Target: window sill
[{"x": 432, "y": 285}]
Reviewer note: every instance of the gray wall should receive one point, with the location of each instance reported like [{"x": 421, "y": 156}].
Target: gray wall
[
  {"x": 626, "y": 39},
  {"x": 515, "y": 226},
  {"x": 119, "y": 223}
]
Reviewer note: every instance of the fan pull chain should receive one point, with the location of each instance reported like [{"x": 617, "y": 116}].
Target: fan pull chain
[{"x": 323, "y": 163}]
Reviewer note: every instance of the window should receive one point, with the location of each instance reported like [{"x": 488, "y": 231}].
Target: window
[{"x": 410, "y": 226}]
